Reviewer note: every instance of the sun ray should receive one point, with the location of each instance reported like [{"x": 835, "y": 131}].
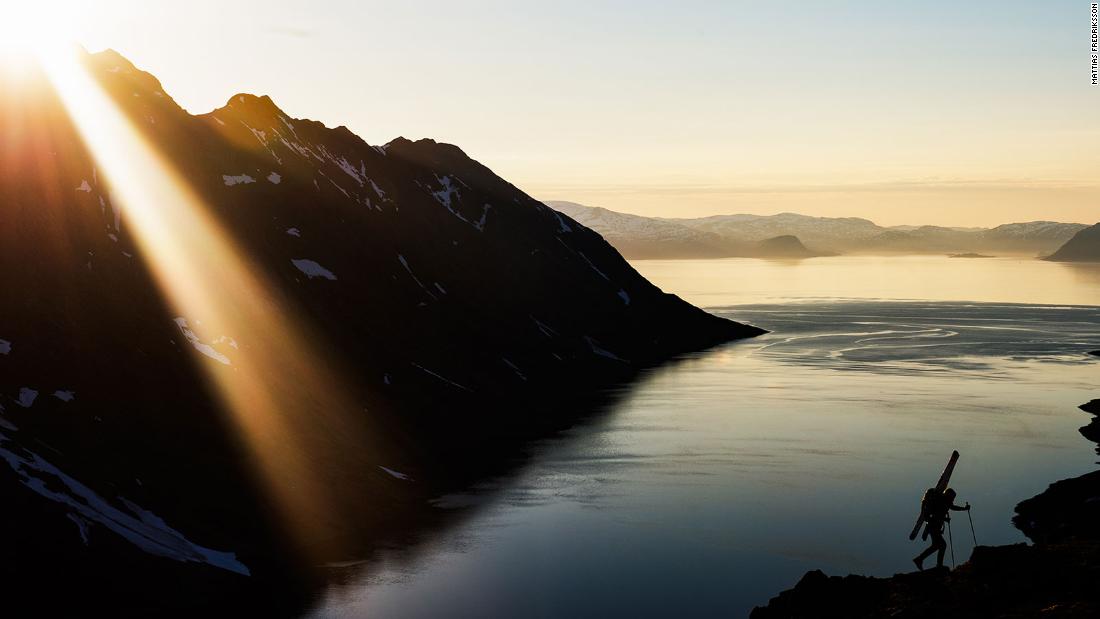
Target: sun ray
[{"x": 278, "y": 378}]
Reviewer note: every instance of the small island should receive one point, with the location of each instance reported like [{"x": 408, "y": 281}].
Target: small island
[
  {"x": 784, "y": 246},
  {"x": 969, "y": 255}
]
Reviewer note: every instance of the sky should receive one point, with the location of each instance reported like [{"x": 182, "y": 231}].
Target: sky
[{"x": 950, "y": 113}]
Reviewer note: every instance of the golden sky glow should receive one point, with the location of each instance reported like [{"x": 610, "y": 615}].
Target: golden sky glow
[{"x": 938, "y": 112}]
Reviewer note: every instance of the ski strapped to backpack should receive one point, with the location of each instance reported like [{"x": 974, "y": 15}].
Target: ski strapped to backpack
[{"x": 929, "y": 497}]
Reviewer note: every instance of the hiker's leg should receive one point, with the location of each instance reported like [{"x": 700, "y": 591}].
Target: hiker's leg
[{"x": 941, "y": 547}]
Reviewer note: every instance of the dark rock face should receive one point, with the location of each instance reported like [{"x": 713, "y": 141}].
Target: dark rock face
[
  {"x": 1069, "y": 509},
  {"x": 1092, "y": 431},
  {"x": 1001, "y": 581},
  {"x": 1083, "y": 247},
  {"x": 462, "y": 314}
]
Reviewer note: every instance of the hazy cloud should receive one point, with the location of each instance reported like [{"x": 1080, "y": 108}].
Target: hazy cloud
[
  {"x": 921, "y": 185},
  {"x": 291, "y": 31}
]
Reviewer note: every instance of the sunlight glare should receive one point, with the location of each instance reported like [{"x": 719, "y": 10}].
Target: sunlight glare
[
  {"x": 278, "y": 387},
  {"x": 30, "y": 29}
]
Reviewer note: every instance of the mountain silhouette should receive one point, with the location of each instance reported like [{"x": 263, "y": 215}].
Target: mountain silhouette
[
  {"x": 468, "y": 316},
  {"x": 1083, "y": 247}
]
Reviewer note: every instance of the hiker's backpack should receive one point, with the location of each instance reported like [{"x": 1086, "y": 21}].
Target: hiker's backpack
[{"x": 928, "y": 503}]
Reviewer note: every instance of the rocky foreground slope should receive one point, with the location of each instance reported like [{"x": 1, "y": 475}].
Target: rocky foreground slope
[
  {"x": 451, "y": 315},
  {"x": 1055, "y": 576}
]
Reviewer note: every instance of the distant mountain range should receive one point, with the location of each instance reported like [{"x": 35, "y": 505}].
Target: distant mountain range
[
  {"x": 741, "y": 235},
  {"x": 650, "y": 237},
  {"x": 1083, "y": 247}
]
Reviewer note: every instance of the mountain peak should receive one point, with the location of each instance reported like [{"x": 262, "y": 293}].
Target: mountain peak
[
  {"x": 426, "y": 147},
  {"x": 250, "y": 103},
  {"x": 110, "y": 56}
]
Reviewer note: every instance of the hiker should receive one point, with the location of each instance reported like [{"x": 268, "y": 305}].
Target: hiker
[{"x": 935, "y": 509}]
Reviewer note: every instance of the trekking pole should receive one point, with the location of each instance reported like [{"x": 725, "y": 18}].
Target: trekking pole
[
  {"x": 952, "y": 539},
  {"x": 972, "y": 534}
]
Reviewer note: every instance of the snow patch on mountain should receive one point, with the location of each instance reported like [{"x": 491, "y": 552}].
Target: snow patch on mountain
[
  {"x": 441, "y": 377},
  {"x": 515, "y": 369},
  {"x": 26, "y": 397},
  {"x": 378, "y": 190},
  {"x": 225, "y": 339},
  {"x": 480, "y": 223},
  {"x": 82, "y": 526},
  {"x": 240, "y": 179},
  {"x": 546, "y": 329},
  {"x": 359, "y": 174},
  {"x": 139, "y": 527},
  {"x": 396, "y": 474},
  {"x": 405, "y": 263},
  {"x": 64, "y": 395},
  {"x": 446, "y": 193},
  {"x": 312, "y": 269},
  {"x": 301, "y": 150},
  {"x": 261, "y": 137},
  {"x": 288, "y": 125},
  {"x": 593, "y": 266},
  {"x": 199, "y": 345},
  {"x": 601, "y": 351},
  {"x": 562, "y": 226},
  {"x": 334, "y": 184}
]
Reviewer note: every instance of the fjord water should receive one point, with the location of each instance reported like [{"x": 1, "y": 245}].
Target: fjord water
[{"x": 717, "y": 480}]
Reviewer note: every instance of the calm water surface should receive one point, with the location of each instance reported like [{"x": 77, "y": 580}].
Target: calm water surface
[
  {"x": 716, "y": 481},
  {"x": 734, "y": 281}
]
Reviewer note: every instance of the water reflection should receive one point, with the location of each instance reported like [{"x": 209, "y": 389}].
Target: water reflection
[
  {"x": 1086, "y": 274},
  {"x": 716, "y": 481}
]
